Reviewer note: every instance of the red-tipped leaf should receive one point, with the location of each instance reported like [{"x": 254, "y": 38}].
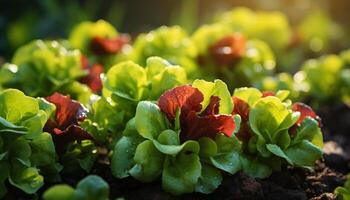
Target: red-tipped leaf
[
  {"x": 64, "y": 127},
  {"x": 228, "y": 49},
  {"x": 186, "y": 98},
  {"x": 305, "y": 111},
  {"x": 195, "y": 126},
  {"x": 105, "y": 46}
]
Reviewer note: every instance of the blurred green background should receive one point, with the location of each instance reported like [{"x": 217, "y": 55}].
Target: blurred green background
[{"x": 25, "y": 20}]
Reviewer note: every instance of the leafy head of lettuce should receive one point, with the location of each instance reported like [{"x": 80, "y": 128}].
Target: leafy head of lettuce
[
  {"x": 334, "y": 85},
  {"x": 100, "y": 42},
  {"x": 124, "y": 86},
  {"x": 27, "y": 154},
  {"x": 186, "y": 138},
  {"x": 275, "y": 132},
  {"x": 319, "y": 33},
  {"x": 170, "y": 43},
  {"x": 270, "y": 27},
  {"x": 41, "y": 68},
  {"x": 229, "y": 55}
]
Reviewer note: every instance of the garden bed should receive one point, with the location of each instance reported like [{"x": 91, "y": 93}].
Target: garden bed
[{"x": 290, "y": 183}]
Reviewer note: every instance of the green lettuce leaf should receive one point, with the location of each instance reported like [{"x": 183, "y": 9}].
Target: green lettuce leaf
[
  {"x": 41, "y": 68},
  {"x": 227, "y": 157},
  {"x": 181, "y": 173},
  {"x": 148, "y": 162},
  {"x": 26, "y": 152},
  {"x": 149, "y": 120},
  {"x": 216, "y": 88}
]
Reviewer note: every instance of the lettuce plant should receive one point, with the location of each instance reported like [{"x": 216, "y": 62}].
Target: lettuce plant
[
  {"x": 274, "y": 132},
  {"x": 186, "y": 137},
  {"x": 27, "y": 153},
  {"x": 41, "y": 68},
  {"x": 230, "y": 56},
  {"x": 124, "y": 86},
  {"x": 335, "y": 73},
  {"x": 100, "y": 42},
  {"x": 170, "y": 43},
  {"x": 319, "y": 33},
  {"x": 73, "y": 144},
  {"x": 91, "y": 187},
  {"x": 271, "y": 27}
]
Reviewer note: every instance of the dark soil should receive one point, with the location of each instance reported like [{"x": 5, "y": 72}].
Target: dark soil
[
  {"x": 290, "y": 183},
  {"x": 287, "y": 184}
]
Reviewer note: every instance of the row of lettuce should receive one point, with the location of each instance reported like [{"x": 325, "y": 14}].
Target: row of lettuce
[
  {"x": 156, "y": 126},
  {"x": 236, "y": 51},
  {"x": 65, "y": 103}
]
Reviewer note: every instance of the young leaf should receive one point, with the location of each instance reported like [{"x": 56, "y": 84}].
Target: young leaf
[
  {"x": 219, "y": 89},
  {"x": 168, "y": 77},
  {"x": 127, "y": 80},
  {"x": 268, "y": 118},
  {"x": 249, "y": 95}
]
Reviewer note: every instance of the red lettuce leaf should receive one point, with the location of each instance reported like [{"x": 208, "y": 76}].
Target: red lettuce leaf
[
  {"x": 186, "y": 98},
  {"x": 267, "y": 93},
  {"x": 213, "y": 107},
  {"x": 93, "y": 79},
  {"x": 64, "y": 127},
  {"x": 305, "y": 111},
  {"x": 84, "y": 62},
  {"x": 242, "y": 109},
  {"x": 195, "y": 125},
  {"x": 105, "y": 46},
  {"x": 229, "y": 49}
]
